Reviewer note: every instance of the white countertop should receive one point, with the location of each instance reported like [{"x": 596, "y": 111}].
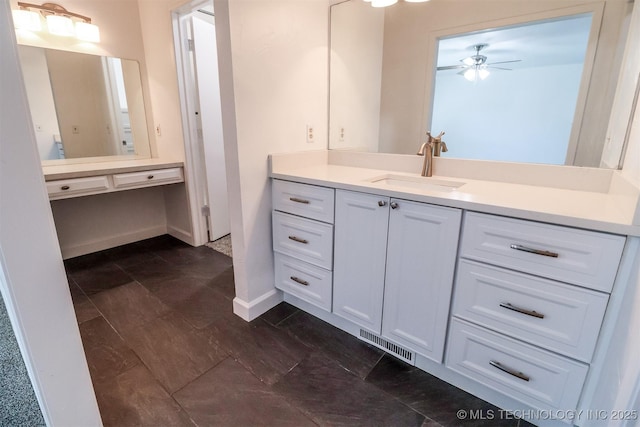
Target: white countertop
[
  {"x": 599, "y": 211},
  {"x": 81, "y": 170}
]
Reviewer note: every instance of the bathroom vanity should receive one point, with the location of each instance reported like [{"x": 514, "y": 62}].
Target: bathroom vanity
[
  {"x": 83, "y": 179},
  {"x": 103, "y": 204},
  {"x": 506, "y": 290}
]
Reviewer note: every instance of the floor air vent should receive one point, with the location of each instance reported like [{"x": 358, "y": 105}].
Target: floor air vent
[{"x": 387, "y": 346}]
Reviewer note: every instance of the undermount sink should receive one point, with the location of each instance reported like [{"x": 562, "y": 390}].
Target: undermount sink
[{"x": 416, "y": 182}]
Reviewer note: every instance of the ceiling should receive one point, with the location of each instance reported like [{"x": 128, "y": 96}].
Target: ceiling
[{"x": 536, "y": 44}]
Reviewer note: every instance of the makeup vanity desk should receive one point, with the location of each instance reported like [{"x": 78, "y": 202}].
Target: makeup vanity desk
[
  {"x": 83, "y": 179},
  {"x": 93, "y": 212}
]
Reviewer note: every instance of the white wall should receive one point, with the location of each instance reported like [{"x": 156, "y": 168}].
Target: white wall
[
  {"x": 493, "y": 119},
  {"x": 357, "y": 32},
  {"x": 35, "y": 288},
  {"x": 279, "y": 52}
]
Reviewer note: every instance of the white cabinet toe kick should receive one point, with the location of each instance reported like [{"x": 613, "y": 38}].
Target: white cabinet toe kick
[{"x": 508, "y": 309}]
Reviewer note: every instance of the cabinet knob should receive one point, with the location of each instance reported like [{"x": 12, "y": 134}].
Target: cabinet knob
[
  {"x": 382, "y": 203},
  {"x": 150, "y": 177},
  {"x": 65, "y": 187},
  {"x": 394, "y": 205}
]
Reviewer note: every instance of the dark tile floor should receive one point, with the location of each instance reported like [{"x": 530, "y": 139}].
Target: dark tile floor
[{"x": 165, "y": 349}]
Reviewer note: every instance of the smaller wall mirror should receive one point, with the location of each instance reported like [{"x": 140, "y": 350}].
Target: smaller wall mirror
[{"x": 84, "y": 106}]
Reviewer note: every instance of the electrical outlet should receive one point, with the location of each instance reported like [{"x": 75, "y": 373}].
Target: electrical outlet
[
  {"x": 75, "y": 129},
  {"x": 341, "y": 136},
  {"x": 310, "y": 134}
]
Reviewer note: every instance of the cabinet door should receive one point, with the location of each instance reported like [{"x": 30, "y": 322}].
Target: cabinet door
[
  {"x": 361, "y": 222},
  {"x": 421, "y": 254}
]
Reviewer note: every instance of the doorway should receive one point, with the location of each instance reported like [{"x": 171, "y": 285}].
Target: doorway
[{"x": 200, "y": 92}]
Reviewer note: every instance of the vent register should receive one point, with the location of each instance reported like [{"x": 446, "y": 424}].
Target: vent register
[{"x": 387, "y": 346}]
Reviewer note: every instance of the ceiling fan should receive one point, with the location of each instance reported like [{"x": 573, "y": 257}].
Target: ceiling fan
[{"x": 476, "y": 66}]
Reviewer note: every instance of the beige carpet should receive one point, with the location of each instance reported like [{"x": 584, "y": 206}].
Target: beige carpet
[{"x": 223, "y": 245}]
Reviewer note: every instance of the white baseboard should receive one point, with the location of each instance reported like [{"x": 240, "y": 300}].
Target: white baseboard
[
  {"x": 254, "y": 308},
  {"x": 111, "y": 242},
  {"x": 181, "y": 234}
]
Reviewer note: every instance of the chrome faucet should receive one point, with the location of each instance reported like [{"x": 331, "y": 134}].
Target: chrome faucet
[{"x": 431, "y": 148}]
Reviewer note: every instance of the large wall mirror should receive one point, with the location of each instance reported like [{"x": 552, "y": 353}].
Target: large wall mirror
[
  {"x": 507, "y": 80},
  {"x": 84, "y": 107}
]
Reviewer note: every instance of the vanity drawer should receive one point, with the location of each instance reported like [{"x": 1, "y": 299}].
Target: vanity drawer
[
  {"x": 77, "y": 186},
  {"x": 526, "y": 373},
  {"x": 304, "y": 239},
  {"x": 303, "y": 280},
  {"x": 304, "y": 200},
  {"x": 554, "y": 315},
  {"x": 147, "y": 178},
  {"x": 584, "y": 258}
]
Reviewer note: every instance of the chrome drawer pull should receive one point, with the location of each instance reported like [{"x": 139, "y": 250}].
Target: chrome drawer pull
[
  {"x": 65, "y": 187},
  {"x": 534, "y": 251},
  {"x": 299, "y": 240},
  {"x": 303, "y": 201},
  {"x": 522, "y": 310},
  {"x": 302, "y": 282},
  {"x": 509, "y": 371}
]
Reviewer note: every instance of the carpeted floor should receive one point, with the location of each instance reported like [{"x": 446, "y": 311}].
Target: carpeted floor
[
  {"x": 18, "y": 405},
  {"x": 223, "y": 245}
]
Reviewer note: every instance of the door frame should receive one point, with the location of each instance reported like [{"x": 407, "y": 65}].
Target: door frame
[{"x": 195, "y": 172}]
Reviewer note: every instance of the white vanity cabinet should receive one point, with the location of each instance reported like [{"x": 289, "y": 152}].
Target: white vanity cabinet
[
  {"x": 528, "y": 304},
  {"x": 303, "y": 241},
  {"x": 100, "y": 183},
  {"x": 393, "y": 268}
]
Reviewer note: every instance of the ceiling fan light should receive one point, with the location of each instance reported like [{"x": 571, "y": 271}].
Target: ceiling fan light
[
  {"x": 468, "y": 61},
  {"x": 383, "y": 3},
  {"x": 470, "y": 74},
  {"x": 483, "y": 73}
]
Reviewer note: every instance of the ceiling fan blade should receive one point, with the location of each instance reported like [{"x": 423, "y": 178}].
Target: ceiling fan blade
[
  {"x": 505, "y": 62},
  {"x": 451, "y": 67},
  {"x": 500, "y": 68}
]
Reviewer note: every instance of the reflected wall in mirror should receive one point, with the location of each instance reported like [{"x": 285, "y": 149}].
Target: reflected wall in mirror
[
  {"x": 385, "y": 94},
  {"x": 84, "y": 106}
]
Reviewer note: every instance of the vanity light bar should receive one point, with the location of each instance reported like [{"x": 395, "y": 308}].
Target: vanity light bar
[
  {"x": 385, "y": 3},
  {"x": 59, "y": 21}
]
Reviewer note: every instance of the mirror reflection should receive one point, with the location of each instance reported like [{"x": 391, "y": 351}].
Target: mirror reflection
[
  {"x": 84, "y": 106},
  {"x": 399, "y": 71}
]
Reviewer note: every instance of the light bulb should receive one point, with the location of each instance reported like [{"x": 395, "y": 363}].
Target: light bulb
[
  {"x": 470, "y": 74},
  {"x": 87, "y": 32},
  {"x": 483, "y": 73},
  {"x": 383, "y": 3},
  {"x": 26, "y": 20},
  {"x": 60, "y": 25}
]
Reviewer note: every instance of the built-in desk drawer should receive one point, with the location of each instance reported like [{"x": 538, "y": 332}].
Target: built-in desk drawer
[
  {"x": 306, "y": 281},
  {"x": 147, "y": 178},
  {"x": 584, "y": 258},
  {"x": 77, "y": 186},
  {"x": 304, "y": 239},
  {"x": 309, "y": 201},
  {"x": 560, "y": 317},
  {"x": 526, "y": 373}
]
